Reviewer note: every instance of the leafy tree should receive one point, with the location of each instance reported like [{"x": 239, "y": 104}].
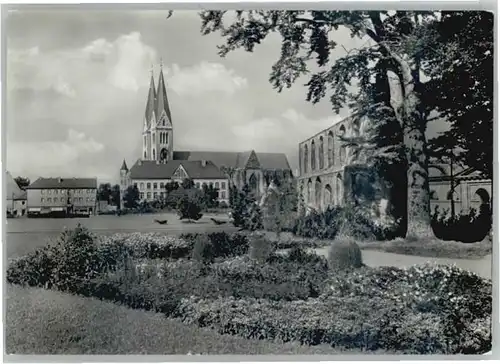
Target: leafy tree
[
  {"x": 104, "y": 192},
  {"x": 187, "y": 184},
  {"x": 115, "y": 195},
  {"x": 131, "y": 197},
  {"x": 245, "y": 211},
  {"x": 189, "y": 207},
  {"x": 462, "y": 85},
  {"x": 210, "y": 196},
  {"x": 22, "y": 182},
  {"x": 171, "y": 186},
  {"x": 402, "y": 42}
]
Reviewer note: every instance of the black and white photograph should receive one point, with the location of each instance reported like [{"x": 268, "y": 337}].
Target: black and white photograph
[{"x": 204, "y": 182}]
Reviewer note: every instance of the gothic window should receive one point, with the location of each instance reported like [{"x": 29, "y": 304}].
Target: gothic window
[
  {"x": 163, "y": 155},
  {"x": 313, "y": 156},
  {"x": 154, "y": 140},
  {"x": 328, "y": 196},
  {"x": 166, "y": 137},
  {"x": 321, "y": 154},
  {"x": 341, "y": 155},
  {"x": 253, "y": 182},
  {"x": 338, "y": 192},
  {"x": 309, "y": 191},
  {"x": 145, "y": 155},
  {"x": 145, "y": 140},
  {"x": 331, "y": 154},
  {"x": 154, "y": 154},
  {"x": 306, "y": 159}
]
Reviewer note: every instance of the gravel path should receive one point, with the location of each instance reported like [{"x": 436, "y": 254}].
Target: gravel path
[{"x": 373, "y": 258}]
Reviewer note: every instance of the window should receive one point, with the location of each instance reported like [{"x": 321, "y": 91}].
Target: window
[
  {"x": 63, "y": 192},
  {"x": 148, "y": 185},
  {"x": 154, "y": 154},
  {"x": 148, "y": 195},
  {"x": 62, "y": 199},
  {"x": 211, "y": 184},
  {"x": 42, "y": 200},
  {"x": 306, "y": 158},
  {"x": 49, "y": 199},
  {"x": 434, "y": 195},
  {"x": 154, "y": 140},
  {"x": 216, "y": 184},
  {"x": 313, "y": 156},
  {"x": 80, "y": 199},
  {"x": 135, "y": 185},
  {"x": 42, "y": 192},
  {"x": 162, "y": 185},
  {"x": 223, "y": 195},
  {"x": 145, "y": 155},
  {"x": 198, "y": 185},
  {"x": 88, "y": 199},
  {"x": 49, "y": 191},
  {"x": 56, "y": 192},
  {"x": 141, "y": 195},
  {"x": 155, "y": 195},
  {"x": 223, "y": 185},
  {"x": 155, "y": 185},
  {"x": 142, "y": 185},
  {"x": 321, "y": 153}
]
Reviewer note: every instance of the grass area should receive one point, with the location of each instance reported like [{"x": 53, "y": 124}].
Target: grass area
[
  {"x": 47, "y": 322},
  {"x": 434, "y": 248}
]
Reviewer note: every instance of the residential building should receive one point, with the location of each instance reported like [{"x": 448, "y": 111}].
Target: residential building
[
  {"x": 16, "y": 198},
  {"x": 63, "y": 195},
  {"x": 160, "y": 163}
]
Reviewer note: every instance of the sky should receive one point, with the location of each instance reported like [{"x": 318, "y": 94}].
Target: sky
[{"x": 77, "y": 84}]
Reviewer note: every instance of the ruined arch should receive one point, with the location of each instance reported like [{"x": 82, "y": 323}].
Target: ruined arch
[
  {"x": 331, "y": 154},
  {"x": 306, "y": 158},
  {"x": 338, "y": 189},
  {"x": 327, "y": 197},
  {"x": 313, "y": 156},
  {"x": 309, "y": 191},
  {"x": 317, "y": 193},
  {"x": 321, "y": 153}
]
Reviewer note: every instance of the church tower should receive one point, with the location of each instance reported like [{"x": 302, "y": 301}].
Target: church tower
[
  {"x": 162, "y": 136},
  {"x": 149, "y": 120}
]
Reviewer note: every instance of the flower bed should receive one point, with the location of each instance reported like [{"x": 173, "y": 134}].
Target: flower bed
[{"x": 291, "y": 297}]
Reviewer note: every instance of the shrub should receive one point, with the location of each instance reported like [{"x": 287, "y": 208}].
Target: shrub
[
  {"x": 344, "y": 255},
  {"x": 468, "y": 228},
  {"x": 261, "y": 248},
  {"x": 223, "y": 205},
  {"x": 203, "y": 249},
  {"x": 222, "y": 244},
  {"x": 189, "y": 208}
]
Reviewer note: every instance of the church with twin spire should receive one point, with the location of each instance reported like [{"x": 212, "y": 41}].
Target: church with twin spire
[{"x": 160, "y": 164}]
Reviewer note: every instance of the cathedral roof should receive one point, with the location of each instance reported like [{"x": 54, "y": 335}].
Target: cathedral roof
[
  {"x": 267, "y": 161},
  {"x": 161, "y": 99},
  {"x": 151, "y": 103},
  {"x": 144, "y": 169}
]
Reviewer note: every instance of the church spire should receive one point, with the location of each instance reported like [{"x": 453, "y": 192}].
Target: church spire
[
  {"x": 162, "y": 100},
  {"x": 150, "y": 106}
]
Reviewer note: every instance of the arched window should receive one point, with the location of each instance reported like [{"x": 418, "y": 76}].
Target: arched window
[
  {"x": 166, "y": 137},
  {"x": 142, "y": 185},
  {"x": 331, "y": 154},
  {"x": 154, "y": 139},
  {"x": 145, "y": 155},
  {"x": 327, "y": 198},
  {"x": 313, "y": 156},
  {"x": 433, "y": 195},
  {"x": 154, "y": 154},
  {"x": 306, "y": 159},
  {"x": 341, "y": 155},
  {"x": 148, "y": 185},
  {"x": 317, "y": 192},
  {"x": 338, "y": 192},
  {"x": 301, "y": 163},
  {"x": 321, "y": 153},
  {"x": 309, "y": 191}
]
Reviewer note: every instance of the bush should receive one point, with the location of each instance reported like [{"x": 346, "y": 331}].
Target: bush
[
  {"x": 221, "y": 244},
  {"x": 467, "y": 228},
  {"x": 203, "y": 249},
  {"x": 189, "y": 208},
  {"x": 344, "y": 255},
  {"x": 261, "y": 248}
]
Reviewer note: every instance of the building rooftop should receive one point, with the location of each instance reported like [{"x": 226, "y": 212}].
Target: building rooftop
[
  {"x": 145, "y": 169},
  {"x": 63, "y": 183}
]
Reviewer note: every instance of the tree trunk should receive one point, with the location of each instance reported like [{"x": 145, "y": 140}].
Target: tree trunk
[{"x": 414, "y": 125}]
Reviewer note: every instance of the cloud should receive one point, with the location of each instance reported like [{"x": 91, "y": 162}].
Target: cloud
[
  {"x": 54, "y": 158},
  {"x": 204, "y": 77}
]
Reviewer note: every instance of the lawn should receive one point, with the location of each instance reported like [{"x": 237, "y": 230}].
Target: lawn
[{"x": 42, "y": 321}]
